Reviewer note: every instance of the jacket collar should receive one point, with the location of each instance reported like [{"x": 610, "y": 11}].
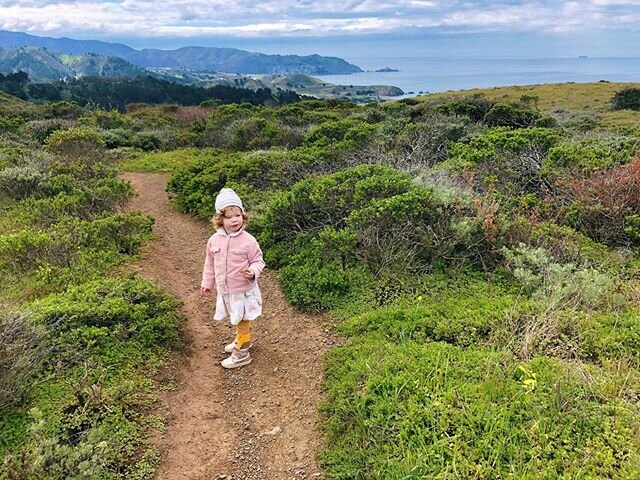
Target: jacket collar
[{"x": 223, "y": 232}]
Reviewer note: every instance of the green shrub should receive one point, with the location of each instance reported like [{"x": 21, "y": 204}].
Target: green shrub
[
  {"x": 11, "y": 123},
  {"x": 593, "y": 153},
  {"x": 486, "y": 146},
  {"x": 252, "y": 133},
  {"x": 418, "y": 230},
  {"x": 92, "y": 317},
  {"x": 557, "y": 285},
  {"x": 90, "y": 409},
  {"x": 198, "y": 184},
  {"x": 459, "y": 320},
  {"x": 117, "y": 137},
  {"x": 315, "y": 284},
  {"x": 21, "y": 182},
  {"x": 329, "y": 132},
  {"x": 565, "y": 245},
  {"x": 22, "y": 251},
  {"x": 474, "y": 107},
  {"x": 39, "y": 130},
  {"x": 80, "y": 152},
  {"x": 106, "y": 119},
  {"x": 76, "y": 143},
  {"x": 315, "y": 203},
  {"x": 147, "y": 141},
  {"x": 626, "y": 99},
  {"x": 508, "y": 115},
  {"x": 63, "y": 109}
]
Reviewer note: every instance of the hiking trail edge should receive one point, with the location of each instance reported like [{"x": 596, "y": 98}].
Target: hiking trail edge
[{"x": 258, "y": 422}]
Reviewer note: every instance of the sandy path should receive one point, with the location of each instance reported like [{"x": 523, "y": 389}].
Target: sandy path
[{"x": 257, "y": 422}]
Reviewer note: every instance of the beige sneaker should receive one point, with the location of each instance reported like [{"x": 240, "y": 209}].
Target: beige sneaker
[
  {"x": 231, "y": 346},
  {"x": 238, "y": 358}
]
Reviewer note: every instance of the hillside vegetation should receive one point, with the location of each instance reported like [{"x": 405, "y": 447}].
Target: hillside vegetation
[
  {"x": 562, "y": 100},
  {"x": 43, "y": 65},
  {"x": 479, "y": 253},
  {"x": 116, "y": 92}
]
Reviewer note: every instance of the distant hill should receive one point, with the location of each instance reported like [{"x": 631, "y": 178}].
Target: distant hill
[
  {"x": 43, "y": 65},
  {"x": 197, "y": 58},
  {"x": 66, "y": 45},
  {"x": 240, "y": 61}
]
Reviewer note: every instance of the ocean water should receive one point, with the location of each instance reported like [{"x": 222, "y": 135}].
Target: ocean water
[{"x": 430, "y": 74}]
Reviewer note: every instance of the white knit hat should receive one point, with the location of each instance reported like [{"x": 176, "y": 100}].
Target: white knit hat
[{"x": 227, "y": 198}]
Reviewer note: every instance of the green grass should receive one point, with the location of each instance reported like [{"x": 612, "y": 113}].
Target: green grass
[
  {"x": 165, "y": 162},
  {"x": 436, "y": 385},
  {"x": 406, "y": 410}
]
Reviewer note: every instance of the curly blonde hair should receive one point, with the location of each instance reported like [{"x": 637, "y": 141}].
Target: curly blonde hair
[{"x": 219, "y": 217}]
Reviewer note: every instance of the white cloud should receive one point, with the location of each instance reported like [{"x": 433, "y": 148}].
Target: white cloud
[{"x": 185, "y": 18}]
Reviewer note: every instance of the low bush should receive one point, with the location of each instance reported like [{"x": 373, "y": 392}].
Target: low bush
[
  {"x": 70, "y": 251},
  {"x": 39, "y": 130},
  {"x": 592, "y": 153},
  {"x": 557, "y": 286},
  {"x": 626, "y": 99},
  {"x": 76, "y": 144},
  {"x": 314, "y": 284},
  {"x": 329, "y": 132},
  {"x": 604, "y": 203},
  {"x": 21, "y": 182},
  {"x": 197, "y": 184},
  {"x": 423, "y": 229},
  {"x": 316, "y": 203},
  {"x": 486, "y": 146},
  {"x": 508, "y": 115},
  {"x": 103, "y": 316},
  {"x": 148, "y": 140},
  {"x": 475, "y": 107}
]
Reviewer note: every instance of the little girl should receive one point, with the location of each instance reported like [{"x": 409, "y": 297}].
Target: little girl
[{"x": 232, "y": 265}]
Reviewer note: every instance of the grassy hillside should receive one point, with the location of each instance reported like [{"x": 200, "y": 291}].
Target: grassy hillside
[{"x": 591, "y": 98}]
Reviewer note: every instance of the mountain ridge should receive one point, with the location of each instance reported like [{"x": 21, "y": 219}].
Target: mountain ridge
[{"x": 229, "y": 60}]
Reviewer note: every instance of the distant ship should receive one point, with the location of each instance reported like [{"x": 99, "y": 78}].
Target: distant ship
[{"x": 582, "y": 56}]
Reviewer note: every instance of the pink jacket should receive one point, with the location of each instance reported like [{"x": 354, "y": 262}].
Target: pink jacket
[{"x": 226, "y": 256}]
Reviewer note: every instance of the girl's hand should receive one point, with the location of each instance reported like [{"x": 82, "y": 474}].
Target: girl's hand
[
  {"x": 247, "y": 273},
  {"x": 204, "y": 291}
]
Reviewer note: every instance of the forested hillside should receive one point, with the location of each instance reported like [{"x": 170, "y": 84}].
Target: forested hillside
[
  {"x": 116, "y": 93},
  {"x": 479, "y": 254}
]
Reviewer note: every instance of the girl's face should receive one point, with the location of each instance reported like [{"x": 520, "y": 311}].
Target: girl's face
[{"x": 232, "y": 220}]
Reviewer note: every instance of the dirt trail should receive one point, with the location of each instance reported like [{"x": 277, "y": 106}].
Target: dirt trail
[{"x": 257, "y": 422}]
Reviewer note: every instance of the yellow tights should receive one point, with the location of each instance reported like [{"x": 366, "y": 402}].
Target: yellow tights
[{"x": 243, "y": 333}]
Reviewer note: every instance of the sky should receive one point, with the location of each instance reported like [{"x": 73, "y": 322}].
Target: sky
[{"x": 344, "y": 28}]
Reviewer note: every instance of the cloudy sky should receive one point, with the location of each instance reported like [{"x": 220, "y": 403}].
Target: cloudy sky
[{"x": 343, "y": 27}]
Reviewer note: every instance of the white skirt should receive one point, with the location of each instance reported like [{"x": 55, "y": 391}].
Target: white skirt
[{"x": 239, "y": 306}]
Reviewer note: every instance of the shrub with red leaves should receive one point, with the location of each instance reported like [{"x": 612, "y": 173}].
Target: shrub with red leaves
[{"x": 603, "y": 203}]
